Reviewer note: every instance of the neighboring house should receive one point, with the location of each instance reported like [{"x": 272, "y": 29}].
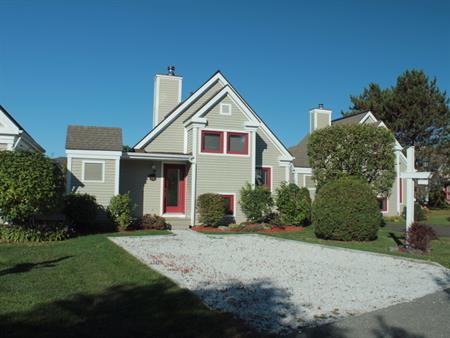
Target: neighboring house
[
  {"x": 13, "y": 136},
  {"x": 321, "y": 118},
  {"x": 211, "y": 142}
]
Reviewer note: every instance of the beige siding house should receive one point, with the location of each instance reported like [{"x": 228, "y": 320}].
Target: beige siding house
[
  {"x": 321, "y": 118},
  {"x": 211, "y": 142},
  {"x": 13, "y": 136}
]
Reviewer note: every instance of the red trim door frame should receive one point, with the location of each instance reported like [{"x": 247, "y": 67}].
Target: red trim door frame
[{"x": 174, "y": 195}]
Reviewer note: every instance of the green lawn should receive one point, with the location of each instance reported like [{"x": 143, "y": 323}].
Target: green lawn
[
  {"x": 435, "y": 217},
  {"x": 440, "y": 249},
  {"x": 89, "y": 287}
]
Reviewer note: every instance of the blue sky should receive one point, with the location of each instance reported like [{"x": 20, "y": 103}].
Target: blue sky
[{"x": 93, "y": 62}]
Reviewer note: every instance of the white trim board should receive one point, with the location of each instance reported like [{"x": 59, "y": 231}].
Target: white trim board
[
  {"x": 177, "y": 112},
  {"x": 83, "y": 164}
]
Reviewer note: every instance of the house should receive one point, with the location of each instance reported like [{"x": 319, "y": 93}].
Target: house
[
  {"x": 210, "y": 142},
  {"x": 13, "y": 136},
  {"x": 321, "y": 118}
]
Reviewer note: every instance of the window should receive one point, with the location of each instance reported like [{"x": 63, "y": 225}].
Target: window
[
  {"x": 212, "y": 141},
  {"x": 229, "y": 204},
  {"x": 225, "y": 109},
  {"x": 264, "y": 177},
  {"x": 447, "y": 193},
  {"x": 93, "y": 171},
  {"x": 237, "y": 143},
  {"x": 383, "y": 202}
]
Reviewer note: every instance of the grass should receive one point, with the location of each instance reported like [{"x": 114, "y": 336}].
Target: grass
[
  {"x": 385, "y": 243},
  {"x": 434, "y": 217},
  {"x": 89, "y": 287}
]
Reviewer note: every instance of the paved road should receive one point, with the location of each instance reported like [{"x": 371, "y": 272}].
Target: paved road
[
  {"x": 441, "y": 230},
  {"x": 426, "y": 317}
]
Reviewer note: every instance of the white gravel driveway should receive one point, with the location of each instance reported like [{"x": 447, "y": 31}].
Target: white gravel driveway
[{"x": 281, "y": 285}]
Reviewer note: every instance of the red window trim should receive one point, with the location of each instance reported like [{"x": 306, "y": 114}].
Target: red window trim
[
  {"x": 232, "y": 133},
  {"x": 401, "y": 189},
  {"x": 385, "y": 204},
  {"x": 447, "y": 193},
  {"x": 214, "y": 132},
  {"x": 269, "y": 176},
  {"x": 231, "y": 197}
]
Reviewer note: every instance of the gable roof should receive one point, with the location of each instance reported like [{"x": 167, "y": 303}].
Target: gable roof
[
  {"x": 300, "y": 151},
  {"x": 227, "y": 89},
  {"x": 94, "y": 138},
  {"x": 22, "y": 129}
]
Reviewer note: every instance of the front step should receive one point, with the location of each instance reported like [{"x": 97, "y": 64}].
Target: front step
[{"x": 179, "y": 223}]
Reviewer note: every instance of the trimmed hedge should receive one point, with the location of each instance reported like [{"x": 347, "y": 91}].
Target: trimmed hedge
[
  {"x": 346, "y": 210},
  {"x": 211, "y": 209},
  {"x": 256, "y": 203},
  {"x": 30, "y": 185},
  {"x": 120, "y": 210},
  {"x": 294, "y": 204},
  {"x": 81, "y": 210},
  {"x": 35, "y": 233}
]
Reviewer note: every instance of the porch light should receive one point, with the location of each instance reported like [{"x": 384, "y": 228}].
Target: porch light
[{"x": 152, "y": 175}]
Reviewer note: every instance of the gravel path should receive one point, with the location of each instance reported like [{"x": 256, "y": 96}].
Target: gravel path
[{"x": 281, "y": 285}]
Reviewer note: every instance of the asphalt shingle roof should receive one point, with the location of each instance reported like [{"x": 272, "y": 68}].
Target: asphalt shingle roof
[
  {"x": 94, "y": 138},
  {"x": 300, "y": 151}
]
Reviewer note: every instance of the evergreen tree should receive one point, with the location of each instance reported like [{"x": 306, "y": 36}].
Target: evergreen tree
[{"x": 418, "y": 113}]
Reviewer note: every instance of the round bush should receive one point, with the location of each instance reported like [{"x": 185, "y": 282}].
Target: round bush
[
  {"x": 346, "y": 210},
  {"x": 211, "y": 208},
  {"x": 256, "y": 203},
  {"x": 30, "y": 184},
  {"x": 294, "y": 204},
  {"x": 81, "y": 210},
  {"x": 152, "y": 222}
]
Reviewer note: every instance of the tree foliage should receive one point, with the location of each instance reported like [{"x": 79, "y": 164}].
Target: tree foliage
[
  {"x": 418, "y": 113},
  {"x": 364, "y": 151},
  {"x": 30, "y": 185},
  {"x": 293, "y": 204}
]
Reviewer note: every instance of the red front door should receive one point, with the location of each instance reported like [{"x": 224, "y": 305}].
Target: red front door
[{"x": 174, "y": 188}]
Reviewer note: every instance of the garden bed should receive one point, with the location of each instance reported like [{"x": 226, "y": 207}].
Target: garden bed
[{"x": 249, "y": 228}]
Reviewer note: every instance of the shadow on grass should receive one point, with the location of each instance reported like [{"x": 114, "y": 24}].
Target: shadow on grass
[
  {"x": 157, "y": 310},
  {"x": 397, "y": 239},
  {"x": 26, "y": 267}
]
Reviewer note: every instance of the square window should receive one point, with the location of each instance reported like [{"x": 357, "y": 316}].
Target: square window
[
  {"x": 212, "y": 141},
  {"x": 229, "y": 204},
  {"x": 263, "y": 177},
  {"x": 93, "y": 171},
  {"x": 225, "y": 109},
  {"x": 237, "y": 143}
]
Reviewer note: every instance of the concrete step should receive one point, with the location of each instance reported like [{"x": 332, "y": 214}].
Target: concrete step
[{"x": 179, "y": 223}]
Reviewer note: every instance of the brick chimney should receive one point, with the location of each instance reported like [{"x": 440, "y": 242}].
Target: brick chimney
[{"x": 167, "y": 94}]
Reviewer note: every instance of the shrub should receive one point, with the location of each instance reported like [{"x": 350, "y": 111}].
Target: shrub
[
  {"x": 120, "y": 210},
  {"x": 156, "y": 222},
  {"x": 256, "y": 203},
  {"x": 294, "y": 204},
  {"x": 30, "y": 184},
  {"x": 35, "y": 233},
  {"x": 419, "y": 214},
  {"x": 81, "y": 210},
  {"x": 346, "y": 210},
  {"x": 420, "y": 235},
  {"x": 211, "y": 208},
  {"x": 437, "y": 198}
]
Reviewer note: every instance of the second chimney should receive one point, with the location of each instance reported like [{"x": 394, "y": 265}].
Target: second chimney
[
  {"x": 319, "y": 118},
  {"x": 167, "y": 94}
]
